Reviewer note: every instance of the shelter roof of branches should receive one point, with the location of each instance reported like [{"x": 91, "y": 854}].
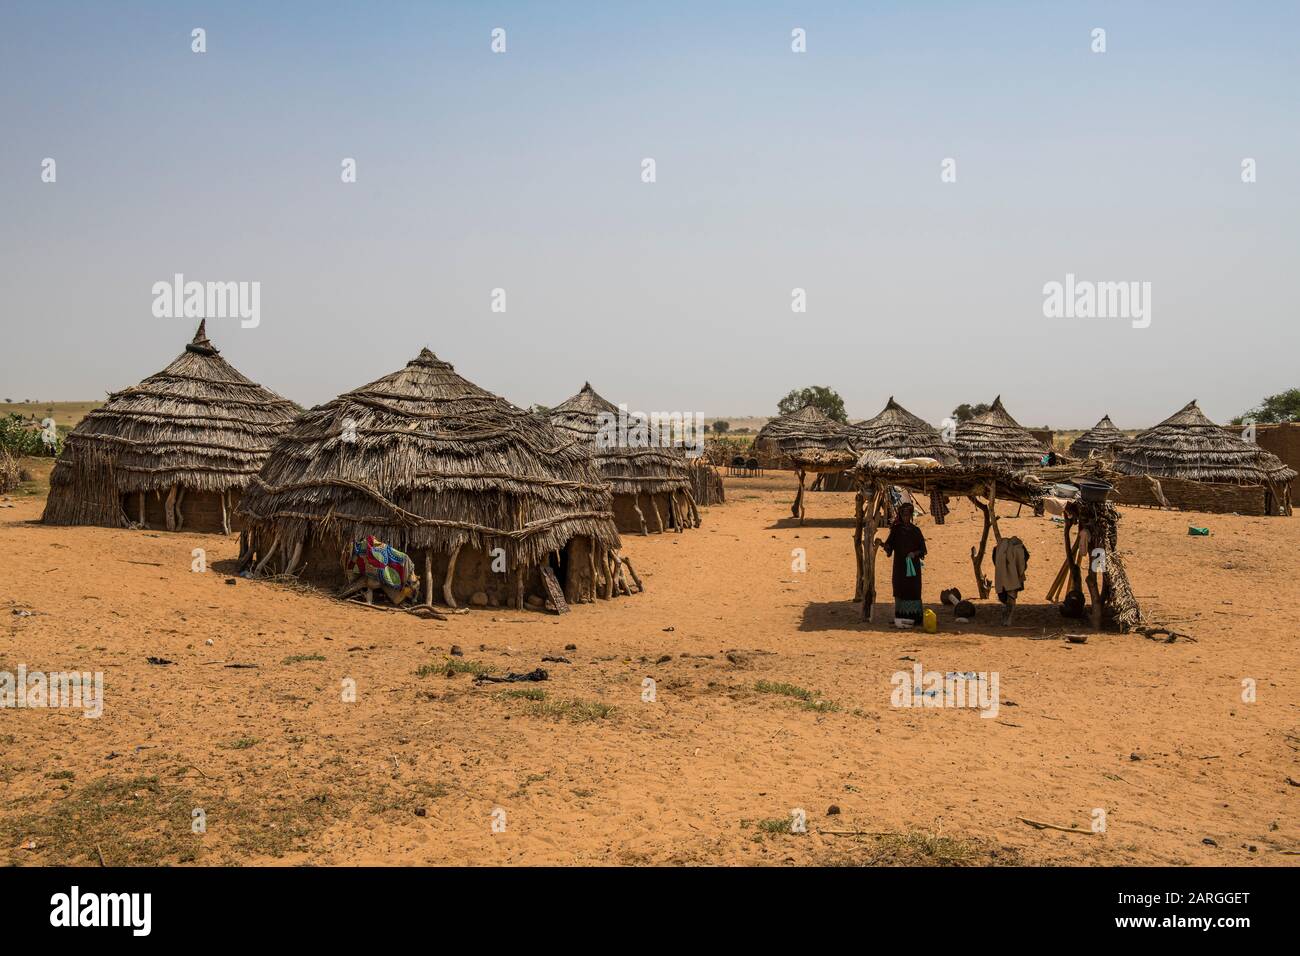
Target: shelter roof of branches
[{"x": 1090, "y": 556}]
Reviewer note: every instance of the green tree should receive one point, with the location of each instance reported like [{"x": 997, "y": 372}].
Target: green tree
[
  {"x": 720, "y": 427},
  {"x": 1282, "y": 407},
  {"x": 826, "y": 399},
  {"x": 965, "y": 411}
]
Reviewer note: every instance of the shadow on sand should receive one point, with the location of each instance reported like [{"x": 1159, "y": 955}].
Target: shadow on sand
[{"x": 1032, "y": 621}]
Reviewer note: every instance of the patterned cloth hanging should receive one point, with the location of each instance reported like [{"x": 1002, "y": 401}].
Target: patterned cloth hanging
[{"x": 382, "y": 563}]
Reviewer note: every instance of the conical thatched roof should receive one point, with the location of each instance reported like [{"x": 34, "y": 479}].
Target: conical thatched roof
[
  {"x": 899, "y": 433},
  {"x": 198, "y": 424},
  {"x": 807, "y": 433},
  {"x": 651, "y": 468},
  {"x": 423, "y": 458},
  {"x": 1189, "y": 445},
  {"x": 807, "y": 421},
  {"x": 996, "y": 440},
  {"x": 1103, "y": 438}
]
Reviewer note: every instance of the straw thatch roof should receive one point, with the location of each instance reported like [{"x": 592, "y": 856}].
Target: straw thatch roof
[
  {"x": 996, "y": 440},
  {"x": 809, "y": 421},
  {"x": 423, "y": 458},
  {"x": 897, "y": 432},
  {"x": 198, "y": 424},
  {"x": 954, "y": 480},
  {"x": 1103, "y": 438},
  {"x": 802, "y": 437},
  {"x": 1188, "y": 445},
  {"x": 1275, "y": 468},
  {"x": 651, "y": 469}
]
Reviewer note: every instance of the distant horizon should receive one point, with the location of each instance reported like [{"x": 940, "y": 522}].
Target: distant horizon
[{"x": 963, "y": 200}]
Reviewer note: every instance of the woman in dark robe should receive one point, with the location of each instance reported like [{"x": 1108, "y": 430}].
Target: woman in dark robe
[{"x": 906, "y": 545}]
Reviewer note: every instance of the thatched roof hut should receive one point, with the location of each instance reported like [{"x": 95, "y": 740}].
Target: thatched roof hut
[
  {"x": 1102, "y": 438},
  {"x": 996, "y": 440},
  {"x": 808, "y": 428},
  {"x": 1188, "y": 445},
  {"x": 8, "y": 471},
  {"x": 899, "y": 433},
  {"x": 173, "y": 452},
  {"x": 486, "y": 495},
  {"x": 644, "y": 470},
  {"x": 1275, "y": 469}
]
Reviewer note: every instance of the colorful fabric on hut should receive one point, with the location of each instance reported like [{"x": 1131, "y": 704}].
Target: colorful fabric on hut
[{"x": 382, "y": 563}]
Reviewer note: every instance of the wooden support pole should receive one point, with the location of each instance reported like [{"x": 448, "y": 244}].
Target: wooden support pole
[
  {"x": 859, "y": 522},
  {"x": 659, "y": 518},
  {"x": 869, "y": 547},
  {"x": 178, "y": 511},
  {"x": 275, "y": 546},
  {"x": 140, "y": 497},
  {"x": 447, "y": 596},
  {"x": 636, "y": 504},
  {"x": 796, "y": 510},
  {"x": 225, "y": 515},
  {"x": 977, "y": 557},
  {"x": 632, "y": 571},
  {"x": 291, "y": 565},
  {"x": 168, "y": 514},
  {"x": 428, "y": 577}
]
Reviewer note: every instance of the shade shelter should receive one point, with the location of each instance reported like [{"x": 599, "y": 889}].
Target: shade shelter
[
  {"x": 175, "y": 451},
  {"x": 1090, "y": 557},
  {"x": 809, "y": 422}
]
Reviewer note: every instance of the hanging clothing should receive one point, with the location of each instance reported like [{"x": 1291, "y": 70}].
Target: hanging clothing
[
  {"x": 938, "y": 506},
  {"x": 1010, "y": 559},
  {"x": 906, "y": 545}
]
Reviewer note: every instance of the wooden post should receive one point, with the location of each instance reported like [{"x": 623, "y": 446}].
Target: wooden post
[
  {"x": 225, "y": 515},
  {"x": 796, "y": 510},
  {"x": 275, "y": 546},
  {"x": 977, "y": 557},
  {"x": 659, "y": 518},
  {"x": 1071, "y": 556},
  {"x": 636, "y": 503},
  {"x": 451, "y": 572},
  {"x": 857, "y": 543},
  {"x": 869, "y": 556},
  {"x": 180, "y": 514},
  {"x": 428, "y": 577},
  {"x": 632, "y": 571},
  {"x": 168, "y": 515},
  {"x": 292, "y": 563}
]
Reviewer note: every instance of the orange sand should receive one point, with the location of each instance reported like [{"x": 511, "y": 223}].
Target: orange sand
[{"x": 684, "y": 779}]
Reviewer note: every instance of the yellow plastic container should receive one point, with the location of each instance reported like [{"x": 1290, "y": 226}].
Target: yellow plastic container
[{"x": 930, "y": 621}]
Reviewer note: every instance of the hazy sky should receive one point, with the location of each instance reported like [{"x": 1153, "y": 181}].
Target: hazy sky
[{"x": 775, "y": 170}]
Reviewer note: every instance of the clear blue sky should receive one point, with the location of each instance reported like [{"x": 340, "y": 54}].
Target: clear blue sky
[{"x": 775, "y": 170}]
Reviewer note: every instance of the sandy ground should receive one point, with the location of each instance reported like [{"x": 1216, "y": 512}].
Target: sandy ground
[{"x": 285, "y": 771}]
